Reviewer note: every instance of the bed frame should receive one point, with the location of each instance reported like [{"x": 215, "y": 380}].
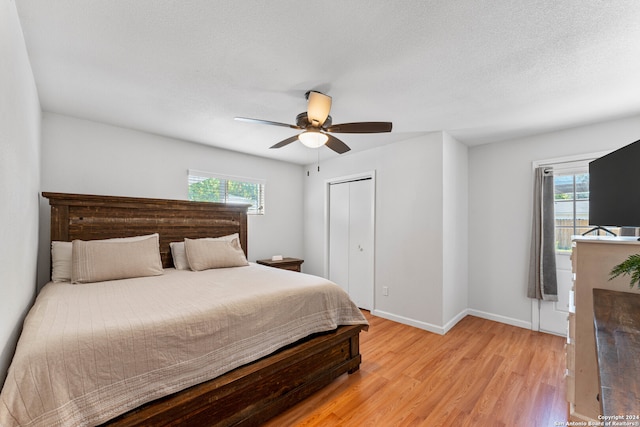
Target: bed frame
[{"x": 248, "y": 395}]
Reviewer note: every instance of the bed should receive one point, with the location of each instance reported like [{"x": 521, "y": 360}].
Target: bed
[{"x": 234, "y": 374}]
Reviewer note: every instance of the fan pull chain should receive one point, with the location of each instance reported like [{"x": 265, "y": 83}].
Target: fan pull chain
[{"x": 318, "y": 162}]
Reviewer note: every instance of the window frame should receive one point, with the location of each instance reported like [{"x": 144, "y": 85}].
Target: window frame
[
  {"x": 571, "y": 165},
  {"x": 260, "y": 210}
]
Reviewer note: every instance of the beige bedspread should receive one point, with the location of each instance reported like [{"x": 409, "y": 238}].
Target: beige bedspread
[{"x": 93, "y": 351}]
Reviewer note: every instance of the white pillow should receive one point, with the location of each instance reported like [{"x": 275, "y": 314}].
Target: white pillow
[
  {"x": 61, "y": 261},
  {"x": 179, "y": 255},
  {"x": 112, "y": 259},
  {"x": 203, "y": 254},
  {"x": 62, "y": 258}
]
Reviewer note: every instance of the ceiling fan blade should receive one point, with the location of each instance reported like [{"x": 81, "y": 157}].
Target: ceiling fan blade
[
  {"x": 318, "y": 108},
  {"x": 285, "y": 142},
  {"x": 361, "y": 127},
  {"x": 336, "y": 145},
  {"x": 266, "y": 122}
]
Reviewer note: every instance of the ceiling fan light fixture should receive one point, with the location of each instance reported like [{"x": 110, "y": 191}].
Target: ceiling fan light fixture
[
  {"x": 313, "y": 138},
  {"x": 318, "y": 107},
  {"x": 317, "y": 126}
]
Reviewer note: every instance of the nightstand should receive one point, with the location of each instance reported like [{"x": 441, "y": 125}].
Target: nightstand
[{"x": 292, "y": 264}]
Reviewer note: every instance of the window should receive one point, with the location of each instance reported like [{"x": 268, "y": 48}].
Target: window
[
  {"x": 208, "y": 187},
  {"x": 571, "y": 195}
]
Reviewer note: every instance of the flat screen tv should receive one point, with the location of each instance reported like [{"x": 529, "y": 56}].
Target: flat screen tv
[{"x": 614, "y": 188}]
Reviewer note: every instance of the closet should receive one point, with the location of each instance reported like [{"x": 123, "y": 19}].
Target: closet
[{"x": 351, "y": 238}]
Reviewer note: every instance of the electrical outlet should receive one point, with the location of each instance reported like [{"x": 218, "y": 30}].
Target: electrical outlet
[{"x": 385, "y": 291}]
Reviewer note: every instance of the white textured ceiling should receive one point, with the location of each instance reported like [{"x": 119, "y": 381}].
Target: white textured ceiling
[{"x": 482, "y": 70}]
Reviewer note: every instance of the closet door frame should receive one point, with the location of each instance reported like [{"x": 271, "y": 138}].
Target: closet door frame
[{"x": 327, "y": 190}]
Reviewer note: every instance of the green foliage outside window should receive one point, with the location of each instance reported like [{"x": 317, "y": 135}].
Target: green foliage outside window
[
  {"x": 206, "y": 191},
  {"x": 227, "y": 191}
]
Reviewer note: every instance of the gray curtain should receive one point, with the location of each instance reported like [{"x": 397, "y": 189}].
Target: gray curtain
[{"x": 543, "y": 283}]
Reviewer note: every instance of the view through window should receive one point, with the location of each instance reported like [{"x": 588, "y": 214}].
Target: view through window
[
  {"x": 207, "y": 187},
  {"x": 571, "y": 195}
]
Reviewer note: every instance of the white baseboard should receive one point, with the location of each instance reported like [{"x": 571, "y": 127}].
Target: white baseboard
[
  {"x": 458, "y": 317},
  {"x": 441, "y": 330},
  {"x": 498, "y": 318},
  {"x": 411, "y": 322}
]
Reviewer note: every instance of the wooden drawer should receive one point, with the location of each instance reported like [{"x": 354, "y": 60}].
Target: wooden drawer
[
  {"x": 571, "y": 336},
  {"x": 292, "y": 267},
  {"x": 571, "y": 357},
  {"x": 570, "y": 381}
]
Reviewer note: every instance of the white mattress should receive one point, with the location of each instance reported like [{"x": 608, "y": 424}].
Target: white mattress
[{"x": 90, "y": 352}]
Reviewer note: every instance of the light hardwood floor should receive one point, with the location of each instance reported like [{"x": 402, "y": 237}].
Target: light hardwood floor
[{"x": 481, "y": 373}]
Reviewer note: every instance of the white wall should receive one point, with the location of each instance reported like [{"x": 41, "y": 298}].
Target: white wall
[
  {"x": 81, "y": 156},
  {"x": 500, "y": 203},
  {"x": 409, "y": 224},
  {"x": 455, "y": 218},
  {"x": 19, "y": 182}
]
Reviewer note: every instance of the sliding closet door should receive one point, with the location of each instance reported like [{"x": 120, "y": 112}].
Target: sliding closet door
[
  {"x": 361, "y": 243},
  {"x": 339, "y": 235},
  {"x": 351, "y": 242}
]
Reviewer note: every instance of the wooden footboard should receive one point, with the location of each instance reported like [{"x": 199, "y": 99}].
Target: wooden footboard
[{"x": 251, "y": 394}]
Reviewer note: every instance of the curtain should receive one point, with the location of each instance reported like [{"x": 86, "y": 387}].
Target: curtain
[{"x": 543, "y": 283}]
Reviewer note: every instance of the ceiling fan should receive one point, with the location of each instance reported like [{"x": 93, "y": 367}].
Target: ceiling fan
[{"x": 317, "y": 127}]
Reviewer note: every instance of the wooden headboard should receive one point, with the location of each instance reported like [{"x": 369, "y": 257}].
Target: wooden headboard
[{"x": 89, "y": 217}]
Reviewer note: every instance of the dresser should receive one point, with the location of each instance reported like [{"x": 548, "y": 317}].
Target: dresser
[{"x": 592, "y": 259}]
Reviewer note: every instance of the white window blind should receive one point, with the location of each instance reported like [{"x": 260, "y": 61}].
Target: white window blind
[{"x": 211, "y": 187}]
